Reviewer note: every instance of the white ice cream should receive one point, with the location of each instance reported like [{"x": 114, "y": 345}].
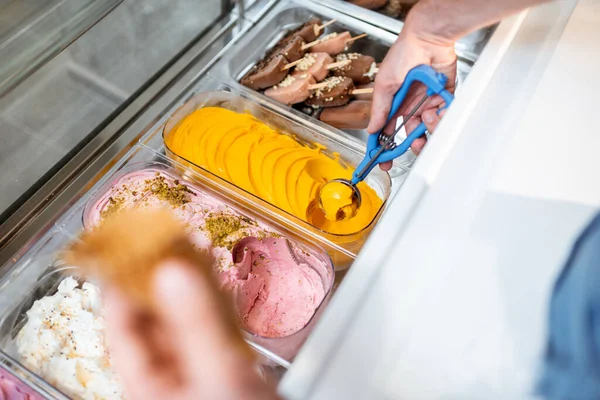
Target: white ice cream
[{"x": 63, "y": 341}]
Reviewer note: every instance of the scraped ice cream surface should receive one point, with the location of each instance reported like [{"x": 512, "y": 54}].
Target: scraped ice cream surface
[
  {"x": 276, "y": 285},
  {"x": 63, "y": 341},
  {"x": 276, "y": 291}
]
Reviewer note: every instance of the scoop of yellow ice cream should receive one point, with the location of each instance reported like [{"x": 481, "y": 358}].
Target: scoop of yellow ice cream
[
  {"x": 338, "y": 201},
  {"x": 271, "y": 165}
]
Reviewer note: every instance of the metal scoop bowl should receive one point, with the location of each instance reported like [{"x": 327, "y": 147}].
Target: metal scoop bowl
[{"x": 334, "y": 206}]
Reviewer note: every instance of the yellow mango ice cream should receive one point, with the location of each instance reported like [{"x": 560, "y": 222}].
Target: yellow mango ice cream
[{"x": 271, "y": 165}]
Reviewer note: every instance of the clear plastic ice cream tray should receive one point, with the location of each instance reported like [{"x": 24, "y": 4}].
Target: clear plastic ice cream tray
[{"x": 245, "y": 103}]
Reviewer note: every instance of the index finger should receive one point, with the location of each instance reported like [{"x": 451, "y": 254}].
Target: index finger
[
  {"x": 386, "y": 86},
  {"x": 401, "y": 57}
]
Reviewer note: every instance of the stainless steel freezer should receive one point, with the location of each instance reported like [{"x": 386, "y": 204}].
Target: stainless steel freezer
[{"x": 447, "y": 297}]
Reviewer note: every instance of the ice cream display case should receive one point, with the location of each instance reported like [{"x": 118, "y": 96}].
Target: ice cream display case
[{"x": 187, "y": 140}]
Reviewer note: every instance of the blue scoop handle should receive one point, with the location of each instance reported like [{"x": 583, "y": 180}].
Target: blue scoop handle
[{"x": 436, "y": 84}]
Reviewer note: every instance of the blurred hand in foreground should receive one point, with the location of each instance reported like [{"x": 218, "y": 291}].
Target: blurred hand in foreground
[{"x": 185, "y": 349}]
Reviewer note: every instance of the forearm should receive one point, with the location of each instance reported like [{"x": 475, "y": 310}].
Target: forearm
[{"x": 446, "y": 21}]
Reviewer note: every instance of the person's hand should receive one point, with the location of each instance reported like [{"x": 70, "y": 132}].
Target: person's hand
[
  {"x": 412, "y": 48},
  {"x": 183, "y": 351}
]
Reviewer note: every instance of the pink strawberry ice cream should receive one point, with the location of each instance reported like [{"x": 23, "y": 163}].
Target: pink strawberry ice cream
[
  {"x": 13, "y": 389},
  {"x": 276, "y": 286}
]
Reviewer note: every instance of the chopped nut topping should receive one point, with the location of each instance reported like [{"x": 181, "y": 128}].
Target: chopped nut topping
[
  {"x": 114, "y": 206},
  {"x": 307, "y": 61},
  {"x": 327, "y": 37},
  {"x": 331, "y": 82},
  {"x": 393, "y": 8},
  {"x": 177, "y": 195},
  {"x": 371, "y": 73},
  {"x": 224, "y": 229},
  {"x": 287, "y": 81},
  {"x": 347, "y": 56}
]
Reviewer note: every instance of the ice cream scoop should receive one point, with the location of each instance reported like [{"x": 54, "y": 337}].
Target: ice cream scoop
[
  {"x": 381, "y": 147},
  {"x": 339, "y": 199}
]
